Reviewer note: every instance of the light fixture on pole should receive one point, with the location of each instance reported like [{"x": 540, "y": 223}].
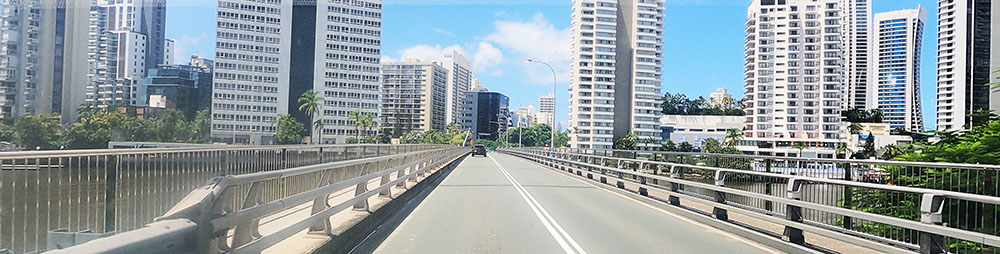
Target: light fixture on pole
[{"x": 552, "y": 140}]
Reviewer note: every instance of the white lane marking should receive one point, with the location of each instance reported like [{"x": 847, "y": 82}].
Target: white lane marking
[
  {"x": 541, "y": 213},
  {"x": 685, "y": 219}
]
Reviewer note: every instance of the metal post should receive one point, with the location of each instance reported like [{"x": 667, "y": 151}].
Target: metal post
[
  {"x": 931, "y": 206},
  {"x": 767, "y": 186},
  {"x": 720, "y": 197},
  {"x": 848, "y": 196},
  {"x": 794, "y": 213}
]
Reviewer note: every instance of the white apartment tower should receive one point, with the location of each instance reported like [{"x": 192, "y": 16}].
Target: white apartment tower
[
  {"x": 857, "y": 36},
  {"x": 896, "y": 65},
  {"x": 126, "y": 39},
  {"x": 968, "y": 51},
  {"x": 31, "y": 53},
  {"x": 616, "y": 71},
  {"x": 268, "y": 53},
  {"x": 794, "y": 76},
  {"x": 414, "y": 96},
  {"x": 459, "y": 82},
  {"x": 546, "y": 110}
]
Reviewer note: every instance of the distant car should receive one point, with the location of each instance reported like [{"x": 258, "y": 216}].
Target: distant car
[{"x": 479, "y": 150}]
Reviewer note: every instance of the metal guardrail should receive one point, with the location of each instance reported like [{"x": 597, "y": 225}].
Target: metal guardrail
[
  {"x": 907, "y": 217},
  {"x": 117, "y": 190},
  {"x": 224, "y": 215}
]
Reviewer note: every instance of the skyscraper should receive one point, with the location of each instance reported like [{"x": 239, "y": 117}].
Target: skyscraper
[
  {"x": 794, "y": 76},
  {"x": 616, "y": 71},
  {"x": 546, "y": 110},
  {"x": 459, "y": 82},
  {"x": 896, "y": 64},
  {"x": 31, "y": 57},
  {"x": 485, "y": 114},
  {"x": 968, "y": 51},
  {"x": 126, "y": 39},
  {"x": 414, "y": 96},
  {"x": 264, "y": 64},
  {"x": 857, "y": 35}
]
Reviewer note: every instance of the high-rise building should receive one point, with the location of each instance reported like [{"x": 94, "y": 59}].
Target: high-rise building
[
  {"x": 616, "y": 71},
  {"x": 794, "y": 77},
  {"x": 126, "y": 39},
  {"x": 524, "y": 117},
  {"x": 330, "y": 47},
  {"x": 459, "y": 82},
  {"x": 719, "y": 98},
  {"x": 546, "y": 109},
  {"x": 168, "y": 52},
  {"x": 187, "y": 88},
  {"x": 896, "y": 65},
  {"x": 857, "y": 35},
  {"x": 968, "y": 51},
  {"x": 31, "y": 57},
  {"x": 414, "y": 96},
  {"x": 485, "y": 114}
]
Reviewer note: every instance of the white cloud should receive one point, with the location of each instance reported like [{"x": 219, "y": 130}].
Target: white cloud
[
  {"x": 487, "y": 56},
  {"x": 484, "y": 55},
  {"x": 444, "y": 32},
  {"x": 536, "y": 39},
  {"x": 182, "y": 44}
]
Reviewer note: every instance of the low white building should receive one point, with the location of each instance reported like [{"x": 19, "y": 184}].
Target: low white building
[{"x": 696, "y": 128}]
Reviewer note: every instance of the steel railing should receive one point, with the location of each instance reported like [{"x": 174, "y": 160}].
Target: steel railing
[
  {"x": 112, "y": 190},
  {"x": 225, "y": 214},
  {"x": 803, "y": 196}
]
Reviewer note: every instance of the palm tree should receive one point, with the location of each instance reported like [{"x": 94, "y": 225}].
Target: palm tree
[
  {"x": 356, "y": 116},
  {"x": 310, "y": 102},
  {"x": 854, "y": 128},
  {"x": 843, "y": 149},
  {"x": 319, "y": 125},
  {"x": 801, "y": 146},
  {"x": 733, "y": 137}
]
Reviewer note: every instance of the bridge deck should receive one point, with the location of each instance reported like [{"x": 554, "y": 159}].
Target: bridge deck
[{"x": 504, "y": 204}]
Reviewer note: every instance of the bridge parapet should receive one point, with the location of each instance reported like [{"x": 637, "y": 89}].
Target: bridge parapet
[
  {"x": 119, "y": 190},
  {"x": 822, "y": 196},
  {"x": 225, "y": 214}
]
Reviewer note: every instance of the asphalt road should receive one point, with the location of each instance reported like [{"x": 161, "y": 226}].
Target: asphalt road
[{"x": 503, "y": 204}]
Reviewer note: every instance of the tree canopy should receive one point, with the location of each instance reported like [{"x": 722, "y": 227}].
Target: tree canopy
[{"x": 680, "y": 104}]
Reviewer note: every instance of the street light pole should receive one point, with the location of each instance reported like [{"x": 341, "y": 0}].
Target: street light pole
[
  {"x": 552, "y": 140},
  {"x": 520, "y": 129}
]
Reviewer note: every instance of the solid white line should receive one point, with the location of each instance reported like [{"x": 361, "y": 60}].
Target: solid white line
[
  {"x": 534, "y": 203},
  {"x": 685, "y": 219}
]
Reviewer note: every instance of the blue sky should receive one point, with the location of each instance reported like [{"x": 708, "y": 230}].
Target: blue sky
[{"x": 703, "y": 47}]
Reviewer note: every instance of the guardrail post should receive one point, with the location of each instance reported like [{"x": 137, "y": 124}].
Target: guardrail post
[
  {"x": 848, "y": 196},
  {"x": 362, "y": 188},
  {"x": 402, "y": 173},
  {"x": 387, "y": 192},
  {"x": 247, "y": 231},
  {"x": 322, "y": 203},
  {"x": 675, "y": 173},
  {"x": 110, "y": 193},
  {"x": 720, "y": 197},
  {"x": 794, "y": 213},
  {"x": 768, "y": 206},
  {"x": 931, "y": 207}
]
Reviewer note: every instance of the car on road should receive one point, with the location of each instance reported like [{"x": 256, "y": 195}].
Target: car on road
[{"x": 479, "y": 150}]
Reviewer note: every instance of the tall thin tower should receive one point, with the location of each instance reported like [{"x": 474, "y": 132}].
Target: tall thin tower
[{"x": 616, "y": 71}]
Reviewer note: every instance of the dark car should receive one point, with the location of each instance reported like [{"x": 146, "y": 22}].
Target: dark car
[{"x": 479, "y": 150}]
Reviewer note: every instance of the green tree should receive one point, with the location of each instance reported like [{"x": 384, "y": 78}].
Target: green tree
[
  {"x": 733, "y": 137},
  {"x": 710, "y": 145},
  {"x": 289, "y": 130},
  {"x": 38, "y": 131},
  {"x": 685, "y": 147},
  {"x": 800, "y": 146},
  {"x": 854, "y": 128},
  {"x": 356, "y": 116},
  {"x": 172, "y": 127},
  {"x": 202, "y": 124},
  {"x": 668, "y": 146},
  {"x": 310, "y": 103},
  {"x": 627, "y": 142}
]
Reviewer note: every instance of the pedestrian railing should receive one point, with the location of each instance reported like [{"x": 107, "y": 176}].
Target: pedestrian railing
[
  {"x": 803, "y": 194},
  {"x": 225, "y": 214},
  {"x": 118, "y": 190}
]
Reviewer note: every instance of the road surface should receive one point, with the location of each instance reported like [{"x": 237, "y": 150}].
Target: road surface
[{"x": 503, "y": 204}]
